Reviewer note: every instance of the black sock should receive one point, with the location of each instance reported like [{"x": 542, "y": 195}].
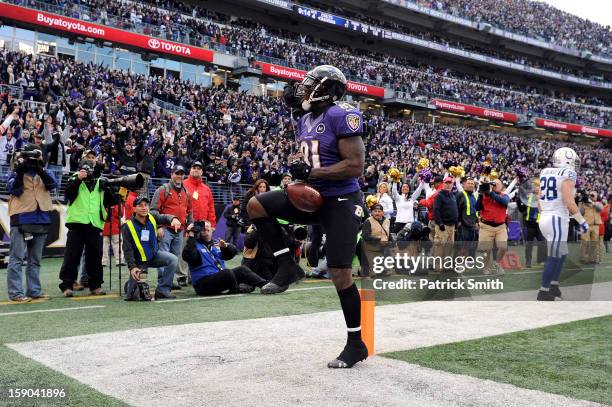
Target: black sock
[
  {"x": 273, "y": 235},
  {"x": 351, "y": 307}
]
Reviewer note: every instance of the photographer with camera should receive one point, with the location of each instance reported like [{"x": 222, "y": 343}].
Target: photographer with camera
[
  {"x": 87, "y": 199},
  {"x": 205, "y": 258},
  {"x": 591, "y": 209},
  {"x": 141, "y": 250},
  {"x": 29, "y": 208},
  {"x": 492, "y": 203}
]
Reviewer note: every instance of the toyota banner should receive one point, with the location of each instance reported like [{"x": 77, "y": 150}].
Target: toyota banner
[
  {"x": 572, "y": 128},
  {"x": 475, "y": 111},
  {"x": 297, "y": 75},
  {"x": 80, "y": 27}
]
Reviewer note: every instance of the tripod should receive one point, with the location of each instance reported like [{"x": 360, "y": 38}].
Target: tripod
[{"x": 117, "y": 255}]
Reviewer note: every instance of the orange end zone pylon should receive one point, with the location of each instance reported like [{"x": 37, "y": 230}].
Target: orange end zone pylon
[{"x": 368, "y": 302}]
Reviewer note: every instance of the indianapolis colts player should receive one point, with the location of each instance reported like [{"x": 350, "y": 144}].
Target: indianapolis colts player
[{"x": 557, "y": 190}]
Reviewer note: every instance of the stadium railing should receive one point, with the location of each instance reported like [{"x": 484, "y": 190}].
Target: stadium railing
[
  {"x": 222, "y": 193},
  {"x": 16, "y": 92}
]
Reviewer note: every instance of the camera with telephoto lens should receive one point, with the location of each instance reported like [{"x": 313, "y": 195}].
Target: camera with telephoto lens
[
  {"x": 131, "y": 182},
  {"x": 28, "y": 159}
]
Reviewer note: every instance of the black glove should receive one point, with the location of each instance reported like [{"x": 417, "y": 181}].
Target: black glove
[
  {"x": 300, "y": 170},
  {"x": 289, "y": 97},
  {"x": 40, "y": 169},
  {"x": 442, "y": 227}
]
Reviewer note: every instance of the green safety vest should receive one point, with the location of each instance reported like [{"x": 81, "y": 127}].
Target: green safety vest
[
  {"x": 88, "y": 207},
  {"x": 136, "y": 238}
]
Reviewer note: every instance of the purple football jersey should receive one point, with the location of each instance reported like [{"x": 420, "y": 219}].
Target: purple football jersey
[{"x": 318, "y": 138}]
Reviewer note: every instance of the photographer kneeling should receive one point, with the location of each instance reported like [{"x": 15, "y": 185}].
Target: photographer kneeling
[
  {"x": 205, "y": 258},
  {"x": 141, "y": 250}
]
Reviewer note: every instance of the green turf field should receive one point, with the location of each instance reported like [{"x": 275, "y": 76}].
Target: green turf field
[
  {"x": 110, "y": 313},
  {"x": 573, "y": 359}
]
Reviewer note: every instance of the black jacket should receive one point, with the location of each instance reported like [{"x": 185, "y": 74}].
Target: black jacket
[
  {"x": 465, "y": 219},
  {"x": 232, "y": 215},
  {"x": 445, "y": 208}
]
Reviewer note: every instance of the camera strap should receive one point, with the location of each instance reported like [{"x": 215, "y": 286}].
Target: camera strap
[{"x": 217, "y": 263}]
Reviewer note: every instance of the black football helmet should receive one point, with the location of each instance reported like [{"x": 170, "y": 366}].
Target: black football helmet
[{"x": 323, "y": 85}]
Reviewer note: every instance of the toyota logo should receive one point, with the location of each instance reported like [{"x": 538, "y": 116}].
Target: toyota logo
[{"x": 153, "y": 43}]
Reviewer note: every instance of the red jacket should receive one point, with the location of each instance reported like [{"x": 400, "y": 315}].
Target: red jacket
[
  {"x": 115, "y": 227},
  {"x": 429, "y": 202},
  {"x": 605, "y": 216},
  {"x": 168, "y": 201},
  {"x": 201, "y": 200},
  {"x": 129, "y": 204}
]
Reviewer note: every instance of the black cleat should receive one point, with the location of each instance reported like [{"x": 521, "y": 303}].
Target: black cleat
[
  {"x": 545, "y": 296},
  {"x": 349, "y": 356},
  {"x": 284, "y": 277},
  {"x": 555, "y": 291}
]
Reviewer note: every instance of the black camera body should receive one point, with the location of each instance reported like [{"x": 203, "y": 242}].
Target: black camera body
[
  {"x": 198, "y": 226},
  {"x": 485, "y": 187},
  {"x": 585, "y": 198}
]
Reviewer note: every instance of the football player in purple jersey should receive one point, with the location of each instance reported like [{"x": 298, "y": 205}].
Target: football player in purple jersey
[{"x": 329, "y": 134}]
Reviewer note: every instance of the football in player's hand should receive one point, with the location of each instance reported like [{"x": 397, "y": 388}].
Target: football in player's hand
[{"x": 304, "y": 197}]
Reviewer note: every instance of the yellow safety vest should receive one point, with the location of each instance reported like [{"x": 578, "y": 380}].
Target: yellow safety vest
[
  {"x": 467, "y": 202},
  {"x": 529, "y": 209},
  {"x": 136, "y": 238}
]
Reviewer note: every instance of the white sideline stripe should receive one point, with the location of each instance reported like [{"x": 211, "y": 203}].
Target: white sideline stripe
[
  {"x": 50, "y": 310},
  {"x": 216, "y": 297},
  {"x": 310, "y": 288}
]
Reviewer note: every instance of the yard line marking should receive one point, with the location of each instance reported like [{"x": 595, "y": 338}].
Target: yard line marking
[
  {"x": 50, "y": 310},
  {"x": 36, "y": 301},
  {"x": 94, "y": 297}
]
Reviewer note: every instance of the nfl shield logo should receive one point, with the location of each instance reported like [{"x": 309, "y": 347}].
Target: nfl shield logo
[{"x": 353, "y": 120}]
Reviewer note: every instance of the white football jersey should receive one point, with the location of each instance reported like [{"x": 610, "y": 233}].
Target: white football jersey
[{"x": 551, "y": 197}]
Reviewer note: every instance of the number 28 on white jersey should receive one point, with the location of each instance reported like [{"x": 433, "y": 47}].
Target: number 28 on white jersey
[{"x": 551, "y": 199}]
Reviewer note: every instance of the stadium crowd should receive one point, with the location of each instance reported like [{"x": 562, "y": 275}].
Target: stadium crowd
[
  {"x": 534, "y": 19},
  {"x": 202, "y": 27},
  {"x": 88, "y": 107},
  {"x": 437, "y": 38}
]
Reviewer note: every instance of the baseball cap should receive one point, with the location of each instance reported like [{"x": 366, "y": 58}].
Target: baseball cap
[
  {"x": 141, "y": 198},
  {"x": 377, "y": 206},
  {"x": 448, "y": 178},
  {"x": 178, "y": 169},
  {"x": 197, "y": 164}
]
